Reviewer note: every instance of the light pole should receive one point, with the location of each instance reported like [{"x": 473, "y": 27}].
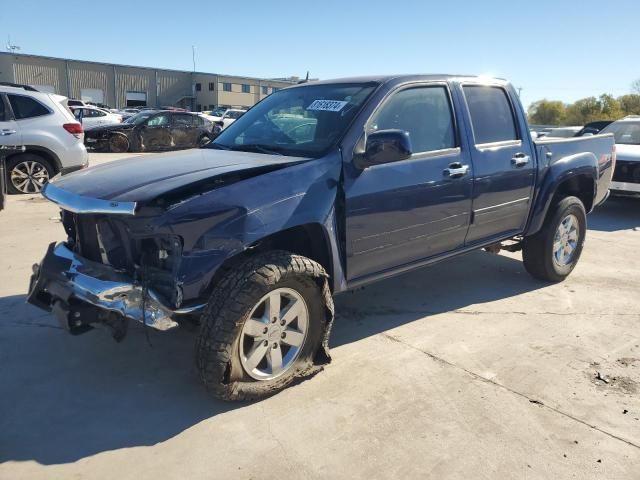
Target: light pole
[{"x": 193, "y": 56}]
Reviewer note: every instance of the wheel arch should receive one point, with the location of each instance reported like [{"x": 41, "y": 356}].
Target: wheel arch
[
  {"x": 45, "y": 153},
  {"x": 577, "y": 177}
]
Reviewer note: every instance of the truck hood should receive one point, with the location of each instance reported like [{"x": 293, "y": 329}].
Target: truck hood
[
  {"x": 628, "y": 153},
  {"x": 145, "y": 178}
]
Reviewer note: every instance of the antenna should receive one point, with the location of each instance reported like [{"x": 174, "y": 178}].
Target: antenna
[{"x": 11, "y": 47}]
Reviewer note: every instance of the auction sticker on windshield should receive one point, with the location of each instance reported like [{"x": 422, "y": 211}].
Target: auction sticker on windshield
[{"x": 327, "y": 105}]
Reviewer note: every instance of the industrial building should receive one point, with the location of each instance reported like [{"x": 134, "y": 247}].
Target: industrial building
[{"x": 122, "y": 86}]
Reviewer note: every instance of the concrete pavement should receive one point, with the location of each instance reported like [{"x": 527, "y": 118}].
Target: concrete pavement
[{"x": 466, "y": 369}]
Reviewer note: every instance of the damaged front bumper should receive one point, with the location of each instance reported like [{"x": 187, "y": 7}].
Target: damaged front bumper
[{"x": 80, "y": 292}]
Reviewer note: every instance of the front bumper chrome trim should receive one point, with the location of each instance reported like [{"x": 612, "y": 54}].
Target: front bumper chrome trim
[
  {"x": 102, "y": 286},
  {"x": 80, "y": 204},
  {"x": 625, "y": 187}
]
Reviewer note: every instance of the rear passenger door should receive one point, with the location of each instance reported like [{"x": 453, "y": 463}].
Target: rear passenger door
[
  {"x": 182, "y": 130},
  {"x": 503, "y": 163},
  {"x": 402, "y": 212},
  {"x": 9, "y": 130}
]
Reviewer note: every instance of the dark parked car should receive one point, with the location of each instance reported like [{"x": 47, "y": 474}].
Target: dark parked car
[
  {"x": 320, "y": 188},
  {"x": 593, "y": 128},
  {"x": 151, "y": 130}
]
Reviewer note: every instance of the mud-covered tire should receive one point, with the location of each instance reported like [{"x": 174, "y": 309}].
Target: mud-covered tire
[
  {"x": 119, "y": 143},
  {"x": 538, "y": 250},
  {"x": 218, "y": 348},
  {"x": 204, "y": 139}
]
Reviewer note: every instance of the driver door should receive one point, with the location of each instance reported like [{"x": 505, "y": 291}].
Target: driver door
[{"x": 403, "y": 212}]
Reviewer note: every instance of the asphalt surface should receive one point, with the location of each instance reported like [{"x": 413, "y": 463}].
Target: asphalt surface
[{"x": 466, "y": 369}]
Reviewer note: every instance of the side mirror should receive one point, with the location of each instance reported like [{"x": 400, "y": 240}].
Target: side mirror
[{"x": 385, "y": 146}]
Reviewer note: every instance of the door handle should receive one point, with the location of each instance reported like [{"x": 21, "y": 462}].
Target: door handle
[
  {"x": 457, "y": 170},
  {"x": 520, "y": 160},
  {"x": 6, "y": 132}
]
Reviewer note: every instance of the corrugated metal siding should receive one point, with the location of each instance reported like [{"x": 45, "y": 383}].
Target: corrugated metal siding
[
  {"x": 43, "y": 72},
  {"x": 86, "y": 75},
  {"x": 172, "y": 86},
  {"x": 134, "y": 80}
]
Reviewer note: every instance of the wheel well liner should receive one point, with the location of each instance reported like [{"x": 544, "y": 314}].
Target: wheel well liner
[{"x": 581, "y": 186}]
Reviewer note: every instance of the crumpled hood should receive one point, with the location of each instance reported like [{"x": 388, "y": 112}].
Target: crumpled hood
[
  {"x": 628, "y": 153},
  {"x": 144, "y": 178}
]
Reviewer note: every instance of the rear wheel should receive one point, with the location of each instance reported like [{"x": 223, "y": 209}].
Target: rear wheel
[
  {"x": 203, "y": 140},
  {"x": 263, "y": 326},
  {"x": 552, "y": 254},
  {"x": 28, "y": 173},
  {"x": 118, "y": 143}
]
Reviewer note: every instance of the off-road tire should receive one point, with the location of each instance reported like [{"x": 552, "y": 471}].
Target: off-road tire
[
  {"x": 537, "y": 250},
  {"x": 230, "y": 304},
  {"x": 26, "y": 157}
]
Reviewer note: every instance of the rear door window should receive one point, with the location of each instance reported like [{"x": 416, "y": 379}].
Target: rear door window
[
  {"x": 424, "y": 112},
  {"x": 26, "y": 107},
  {"x": 182, "y": 120},
  {"x": 491, "y": 114}
]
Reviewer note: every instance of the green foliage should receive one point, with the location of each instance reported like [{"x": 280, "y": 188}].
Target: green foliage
[
  {"x": 585, "y": 110},
  {"x": 547, "y": 112}
]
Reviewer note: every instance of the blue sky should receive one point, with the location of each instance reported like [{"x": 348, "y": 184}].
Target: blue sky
[{"x": 555, "y": 49}]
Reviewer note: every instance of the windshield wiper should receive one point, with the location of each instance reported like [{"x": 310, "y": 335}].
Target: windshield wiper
[{"x": 257, "y": 147}]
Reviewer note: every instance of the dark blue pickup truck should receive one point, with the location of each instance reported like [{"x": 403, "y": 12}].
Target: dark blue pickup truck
[{"x": 319, "y": 188}]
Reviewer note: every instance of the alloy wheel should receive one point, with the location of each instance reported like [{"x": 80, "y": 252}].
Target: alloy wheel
[
  {"x": 29, "y": 176},
  {"x": 274, "y": 334},
  {"x": 565, "y": 241}
]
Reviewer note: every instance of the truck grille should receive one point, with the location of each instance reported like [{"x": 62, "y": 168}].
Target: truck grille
[{"x": 628, "y": 172}]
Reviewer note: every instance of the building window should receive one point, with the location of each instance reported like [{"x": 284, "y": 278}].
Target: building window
[
  {"x": 246, "y": 88},
  {"x": 198, "y": 108},
  {"x": 198, "y": 87},
  {"x": 226, "y": 87},
  {"x": 210, "y": 86},
  {"x": 265, "y": 90}
]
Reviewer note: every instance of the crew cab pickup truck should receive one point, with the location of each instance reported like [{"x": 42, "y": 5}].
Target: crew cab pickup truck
[{"x": 319, "y": 188}]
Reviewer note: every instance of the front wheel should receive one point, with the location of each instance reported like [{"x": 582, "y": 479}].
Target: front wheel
[
  {"x": 28, "y": 173},
  {"x": 264, "y": 324},
  {"x": 552, "y": 254}
]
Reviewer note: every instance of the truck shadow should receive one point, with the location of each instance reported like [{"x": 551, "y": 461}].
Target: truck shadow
[
  {"x": 617, "y": 213},
  {"x": 445, "y": 287},
  {"x": 63, "y": 398}
]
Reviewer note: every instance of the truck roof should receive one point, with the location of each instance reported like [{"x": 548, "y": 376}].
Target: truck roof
[{"x": 381, "y": 79}]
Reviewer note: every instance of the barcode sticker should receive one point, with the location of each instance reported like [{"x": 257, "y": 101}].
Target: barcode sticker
[{"x": 327, "y": 105}]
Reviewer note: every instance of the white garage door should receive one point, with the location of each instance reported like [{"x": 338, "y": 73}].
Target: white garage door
[
  {"x": 136, "y": 99},
  {"x": 44, "y": 88},
  {"x": 94, "y": 95}
]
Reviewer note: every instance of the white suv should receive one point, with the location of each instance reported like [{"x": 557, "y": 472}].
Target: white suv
[{"x": 53, "y": 139}]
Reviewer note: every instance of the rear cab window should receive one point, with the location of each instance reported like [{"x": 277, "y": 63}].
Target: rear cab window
[
  {"x": 26, "y": 107},
  {"x": 492, "y": 116}
]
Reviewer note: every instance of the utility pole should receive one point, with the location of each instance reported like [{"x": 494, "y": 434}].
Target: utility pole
[
  {"x": 519, "y": 91},
  {"x": 193, "y": 56}
]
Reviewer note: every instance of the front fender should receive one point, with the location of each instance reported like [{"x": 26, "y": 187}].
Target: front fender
[{"x": 553, "y": 177}]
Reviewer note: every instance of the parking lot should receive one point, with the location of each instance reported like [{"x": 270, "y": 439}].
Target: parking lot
[{"x": 466, "y": 369}]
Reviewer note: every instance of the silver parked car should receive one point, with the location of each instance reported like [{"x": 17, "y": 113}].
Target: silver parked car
[{"x": 626, "y": 177}]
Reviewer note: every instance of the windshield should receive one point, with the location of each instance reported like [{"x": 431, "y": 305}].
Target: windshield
[
  {"x": 626, "y": 133},
  {"x": 218, "y": 112},
  {"x": 138, "y": 118},
  {"x": 302, "y": 121}
]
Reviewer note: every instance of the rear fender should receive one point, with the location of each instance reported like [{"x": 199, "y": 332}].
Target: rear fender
[{"x": 583, "y": 166}]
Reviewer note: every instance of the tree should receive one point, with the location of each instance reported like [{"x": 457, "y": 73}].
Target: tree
[
  {"x": 630, "y": 104},
  {"x": 635, "y": 86},
  {"x": 610, "y": 108},
  {"x": 583, "y": 111},
  {"x": 546, "y": 112}
]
